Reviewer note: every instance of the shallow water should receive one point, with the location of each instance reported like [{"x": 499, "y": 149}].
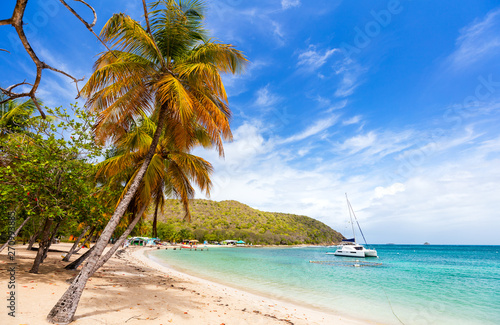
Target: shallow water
[{"x": 414, "y": 285}]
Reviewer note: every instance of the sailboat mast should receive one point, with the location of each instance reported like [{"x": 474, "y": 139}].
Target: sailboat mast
[
  {"x": 350, "y": 216},
  {"x": 355, "y": 218}
]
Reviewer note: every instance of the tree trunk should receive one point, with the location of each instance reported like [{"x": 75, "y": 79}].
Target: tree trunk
[
  {"x": 155, "y": 232},
  {"x": 41, "y": 247},
  {"x": 46, "y": 249},
  {"x": 32, "y": 240},
  {"x": 87, "y": 240},
  {"x": 120, "y": 241},
  {"x": 76, "y": 263},
  {"x": 65, "y": 308},
  {"x": 14, "y": 234},
  {"x": 75, "y": 245},
  {"x": 38, "y": 231}
]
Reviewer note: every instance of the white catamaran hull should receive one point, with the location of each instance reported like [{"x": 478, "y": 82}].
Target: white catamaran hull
[
  {"x": 371, "y": 253},
  {"x": 354, "y": 250},
  {"x": 350, "y": 254}
]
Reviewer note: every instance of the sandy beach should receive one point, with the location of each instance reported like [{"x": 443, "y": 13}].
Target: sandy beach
[{"x": 132, "y": 289}]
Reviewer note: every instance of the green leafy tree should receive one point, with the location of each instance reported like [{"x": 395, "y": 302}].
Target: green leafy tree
[
  {"x": 166, "y": 231},
  {"x": 48, "y": 172}
]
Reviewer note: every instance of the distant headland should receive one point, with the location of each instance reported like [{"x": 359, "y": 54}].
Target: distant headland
[{"x": 218, "y": 221}]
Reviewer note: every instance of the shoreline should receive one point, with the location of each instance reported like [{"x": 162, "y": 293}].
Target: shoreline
[
  {"x": 308, "y": 314},
  {"x": 133, "y": 289}
]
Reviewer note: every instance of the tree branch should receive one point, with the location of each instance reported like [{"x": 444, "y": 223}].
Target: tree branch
[
  {"x": 17, "y": 22},
  {"x": 89, "y": 26},
  {"x": 6, "y": 22}
]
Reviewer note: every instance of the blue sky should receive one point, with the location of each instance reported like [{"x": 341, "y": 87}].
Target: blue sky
[{"x": 394, "y": 102}]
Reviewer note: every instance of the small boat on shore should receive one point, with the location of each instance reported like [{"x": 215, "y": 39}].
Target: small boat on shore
[{"x": 349, "y": 247}]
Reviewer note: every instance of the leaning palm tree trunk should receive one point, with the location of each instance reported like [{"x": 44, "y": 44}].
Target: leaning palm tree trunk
[
  {"x": 14, "y": 234},
  {"x": 76, "y": 263},
  {"x": 120, "y": 240},
  {"x": 75, "y": 245},
  {"x": 87, "y": 240},
  {"x": 65, "y": 308}
]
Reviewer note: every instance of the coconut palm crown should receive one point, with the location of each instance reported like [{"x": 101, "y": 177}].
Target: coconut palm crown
[{"x": 170, "y": 65}]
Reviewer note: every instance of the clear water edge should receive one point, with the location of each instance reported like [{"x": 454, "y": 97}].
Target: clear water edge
[{"x": 417, "y": 284}]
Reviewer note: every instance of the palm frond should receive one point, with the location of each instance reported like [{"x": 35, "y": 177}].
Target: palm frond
[{"x": 129, "y": 36}]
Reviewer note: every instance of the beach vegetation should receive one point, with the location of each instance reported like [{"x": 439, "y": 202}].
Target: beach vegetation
[
  {"x": 218, "y": 221},
  {"x": 48, "y": 173},
  {"x": 168, "y": 69}
]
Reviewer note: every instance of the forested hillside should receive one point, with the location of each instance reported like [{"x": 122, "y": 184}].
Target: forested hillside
[{"x": 217, "y": 221}]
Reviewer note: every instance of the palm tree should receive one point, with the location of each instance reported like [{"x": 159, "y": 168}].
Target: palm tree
[
  {"x": 13, "y": 115},
  {"x": 170, "y": 69},
  {"x": 170, "y": 173}
]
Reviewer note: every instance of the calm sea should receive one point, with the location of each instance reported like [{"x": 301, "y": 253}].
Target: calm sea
[{"x": 414, "y": 285}]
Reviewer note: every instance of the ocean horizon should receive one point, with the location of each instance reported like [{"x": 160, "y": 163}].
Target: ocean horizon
[{"x": 407, "y": 284}]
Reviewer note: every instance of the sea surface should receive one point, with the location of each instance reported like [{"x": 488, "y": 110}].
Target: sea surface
[{"x": 415, "y": 284}]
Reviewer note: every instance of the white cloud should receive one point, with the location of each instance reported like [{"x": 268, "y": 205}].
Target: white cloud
[
  {"x": 359, "y": 142},
  {"x": 319, "y": 126},
  {"x": 286, "y": 4},
  {"x": 313, "y": 59},
  {"x": 350, "y": 73},
  {"x": 371, "y": 148},
  {"x": 477, "y": 41},
  {"x": 234, "y": 25},
  {"x": 235, "y": 84},
  {"x": 353, "y": 120},
  {"x": 339, "y": 105},
  {"x": 380, "y": 191},
  {"x": 442, "y": 201},
  {"x": 278, "y": 33},
  {"x": 265, "y": 98},
  {"x": 438, "y": 145},
  {"x": 450, "y": 202}
]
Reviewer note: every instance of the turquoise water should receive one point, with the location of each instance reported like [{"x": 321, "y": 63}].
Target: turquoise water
[{"x": 414, "y": 285}]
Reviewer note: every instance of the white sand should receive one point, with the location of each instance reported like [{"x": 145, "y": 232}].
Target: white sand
[{"x": 135, "y": 290}]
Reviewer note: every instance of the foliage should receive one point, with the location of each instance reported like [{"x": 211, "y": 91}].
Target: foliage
[
  {"x": 170, "y": 172},
  {"x": 14, "y": 115},
  {"x": 47, "y": 168},
  {"x": 217, "y": 221}
]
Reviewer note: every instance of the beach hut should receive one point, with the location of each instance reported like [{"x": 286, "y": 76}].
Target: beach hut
[
  {"x": 138, "y": 241},
  {"x": 240, "y": 243},
  {"x": 229, "y": 242}
]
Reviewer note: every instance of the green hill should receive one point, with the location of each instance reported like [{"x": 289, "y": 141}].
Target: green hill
[{"x": 218, "y": 221}]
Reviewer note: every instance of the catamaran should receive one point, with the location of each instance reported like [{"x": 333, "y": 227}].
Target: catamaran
[{"x": 349, "y": 247}]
